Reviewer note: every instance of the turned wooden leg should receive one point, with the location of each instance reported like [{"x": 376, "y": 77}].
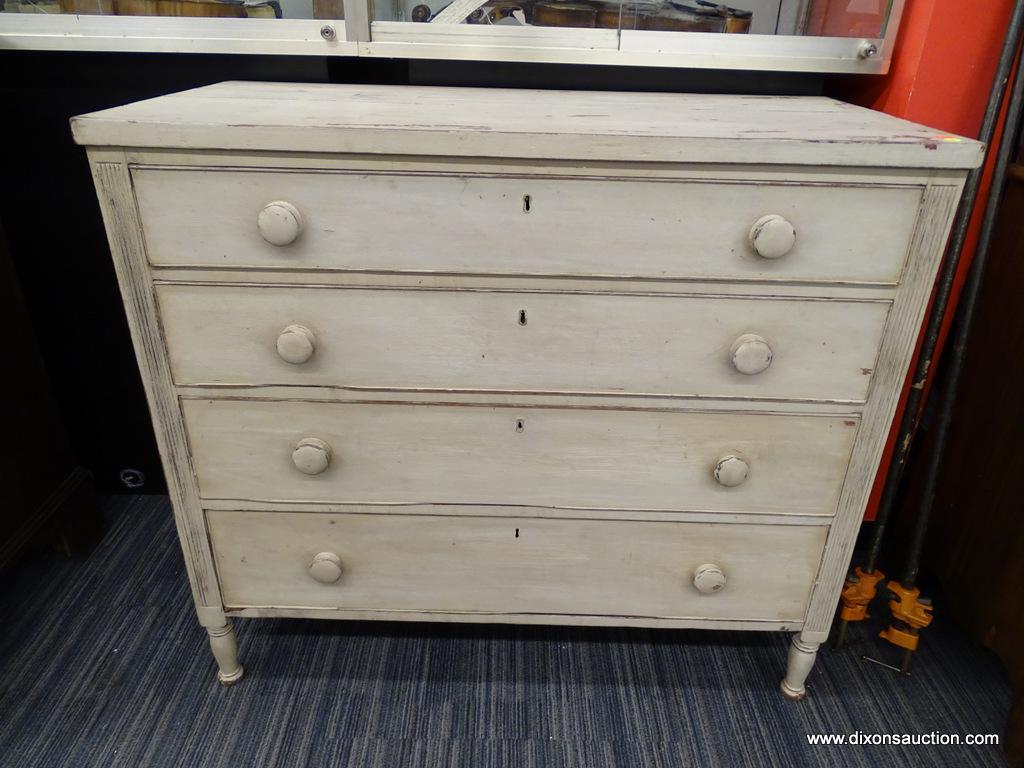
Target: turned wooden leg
[
  {"x": 225, "y": 651},
  {"x": 801, "y": 659}
]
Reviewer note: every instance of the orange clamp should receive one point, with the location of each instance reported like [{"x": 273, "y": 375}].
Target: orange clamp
[
  {"x": 907, "y": 609},
  {"x": 858, "y": 592}
]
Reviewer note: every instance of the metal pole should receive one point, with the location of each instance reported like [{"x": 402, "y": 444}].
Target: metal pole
[
  {"x": 911, "y": 613},
  {"x": 965, "y": 318},
  {"x": 944, "y": 288}
]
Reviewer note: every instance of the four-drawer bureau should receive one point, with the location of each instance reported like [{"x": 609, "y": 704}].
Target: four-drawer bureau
[{"x": 451, "y": 354}]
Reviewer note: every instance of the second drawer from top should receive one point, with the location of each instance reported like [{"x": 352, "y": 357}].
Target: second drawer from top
[{"x": 469, "y": 340}]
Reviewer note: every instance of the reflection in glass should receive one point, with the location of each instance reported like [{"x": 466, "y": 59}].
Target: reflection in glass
[
  {"x": 847, "y": 18},
  {"x": 222, "y": 9},
  {"x": 662, "y": 16},
  {"x": 831, "y": 18},
  {"x": 824, "y": 18},
  {"x": 659, "y": 15}
]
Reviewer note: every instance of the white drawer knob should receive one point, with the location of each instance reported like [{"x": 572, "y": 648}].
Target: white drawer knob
[
  {"x": 311, "y": 455},
  {"x": 280, "y": 223},
  {"x": 750, "y": 354},
  {"x": 296, "y": 344},
  {"x": 709, "y": 578},
  {"x": 772, "y": 236},
  {"x": 731, "y": 471},
  {"x": 325, "y": 568}
]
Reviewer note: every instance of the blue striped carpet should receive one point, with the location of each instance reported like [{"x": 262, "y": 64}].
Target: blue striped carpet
[{"x": 103, "y": 664}]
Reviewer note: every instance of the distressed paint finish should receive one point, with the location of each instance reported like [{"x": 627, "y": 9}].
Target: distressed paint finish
[
  {"x": 508, "y": 341},
  {"x": 802, "y": 654},
  {"x": 688, "y": 229},
  {"x": 124, "y": 233},
  {"x": 495, "y": 122},
  {"x": 443, "y": 410},
  {"x": 224, "y": 646},
  {"x": 547, "y": 457},
  {"x": 513, "y": 565},
  {"x": 894, "y": 358}
]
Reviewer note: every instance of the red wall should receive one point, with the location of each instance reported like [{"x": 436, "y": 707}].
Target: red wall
[{"x": 941, "y": 74}]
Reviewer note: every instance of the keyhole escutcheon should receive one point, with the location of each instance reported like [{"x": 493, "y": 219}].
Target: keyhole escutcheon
[
  {"x": 526, "y": 203},
  {"x": 520, "y": 425},
  {"x": 522, "y": 317}
]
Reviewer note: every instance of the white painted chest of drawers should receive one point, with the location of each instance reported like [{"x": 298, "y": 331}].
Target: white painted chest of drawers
[{"x": 521, "y": 356}]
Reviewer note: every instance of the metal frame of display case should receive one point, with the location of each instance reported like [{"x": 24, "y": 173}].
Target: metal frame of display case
[{"x": 358, "y": 36}]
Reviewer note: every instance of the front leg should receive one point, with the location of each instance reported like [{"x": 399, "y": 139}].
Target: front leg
[
  {"x": 801, "y": 658},
  {"x": 225, "y": 651}
]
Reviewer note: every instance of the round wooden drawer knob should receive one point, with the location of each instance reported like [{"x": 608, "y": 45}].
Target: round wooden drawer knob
[
  {"x": 731, "y": 471},
  {"x": 772, "y": 236},
  {"x": 750, "y": 354},
  {"x": 280, "y": 223},
  {"x": 325, "y": 568},
  {"x": 296, "y": 344},
  {"x": 311, "y": 455},
  {"x": 709, "y": 578}
]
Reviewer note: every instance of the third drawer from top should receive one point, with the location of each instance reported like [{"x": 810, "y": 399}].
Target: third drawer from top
[{"x": 590, "y": 458}]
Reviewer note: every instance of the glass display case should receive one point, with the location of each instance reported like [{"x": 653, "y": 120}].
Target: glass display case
[{"x": 781, "y": 35}]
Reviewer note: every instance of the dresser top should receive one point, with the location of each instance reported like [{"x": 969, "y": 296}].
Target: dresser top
[{"x": 531, "y": 124}]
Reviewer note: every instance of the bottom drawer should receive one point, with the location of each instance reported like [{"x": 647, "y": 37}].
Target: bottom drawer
[{"x": 512, "y": 565}]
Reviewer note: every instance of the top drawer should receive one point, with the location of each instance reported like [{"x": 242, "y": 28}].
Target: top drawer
[{"x": 524, "y": 225}]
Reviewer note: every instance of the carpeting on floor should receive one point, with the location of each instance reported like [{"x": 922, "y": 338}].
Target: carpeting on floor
[{"x": 103, "y": 664}]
